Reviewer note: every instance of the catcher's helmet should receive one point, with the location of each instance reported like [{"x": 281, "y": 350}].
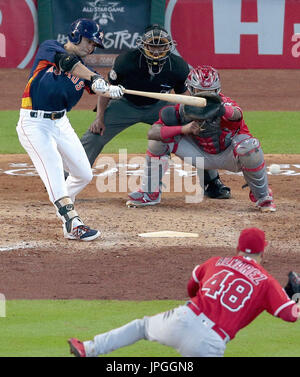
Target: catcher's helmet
[
  {"x": 203, "y": 78},
  {"x": 87, "y": 28},
  {"x": 156, "y": 45}
]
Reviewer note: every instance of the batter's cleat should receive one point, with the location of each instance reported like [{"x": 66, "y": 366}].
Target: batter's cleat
[
  {"x": 76, "y": 347},
  {"x": 143, "y": 199},
  {"x": 265, "y": 204},
  {"x": 80, "y": 232},
  {"x": 217, "y": 190}
]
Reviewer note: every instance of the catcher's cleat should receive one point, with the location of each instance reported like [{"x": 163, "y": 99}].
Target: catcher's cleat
[
  {"x": 217, "y": 190},
  {"x": 80, "y": 232},
  {"x": 143, "y": 199},
  {"x": 265, "y": 204},
  {"x": 76, "y": 347}
]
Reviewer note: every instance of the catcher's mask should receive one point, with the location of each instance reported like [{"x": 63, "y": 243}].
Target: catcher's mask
[
  {"x": 203, "y": 78},
  {"x": 87, "y": 28},
  {"x": 156, "y": 45}
]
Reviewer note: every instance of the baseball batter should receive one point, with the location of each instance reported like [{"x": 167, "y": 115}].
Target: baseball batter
[
  {"x": 217, "y": 133},
  {"x": 226, "y": 294},
  {"x": 151, "y": 67},
  {"x": 56, "y": 83}
]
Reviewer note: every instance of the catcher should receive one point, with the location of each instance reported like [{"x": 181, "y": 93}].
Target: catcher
[{"x": 217, "y": 133}]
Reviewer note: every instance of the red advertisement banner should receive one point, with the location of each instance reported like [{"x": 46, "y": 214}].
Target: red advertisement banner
[
  {"x": 241, "y": 34},
  {"x": 18, "y": 33}
]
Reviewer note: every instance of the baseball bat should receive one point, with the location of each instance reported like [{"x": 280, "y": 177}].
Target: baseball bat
[{"x": 169, "y": 97}]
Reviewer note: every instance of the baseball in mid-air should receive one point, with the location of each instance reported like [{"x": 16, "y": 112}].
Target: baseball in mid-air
[{"x": 274, "y": 169}]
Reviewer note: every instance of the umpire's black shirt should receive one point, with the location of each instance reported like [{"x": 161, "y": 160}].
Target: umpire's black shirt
[{"x": 130, "y": 70}]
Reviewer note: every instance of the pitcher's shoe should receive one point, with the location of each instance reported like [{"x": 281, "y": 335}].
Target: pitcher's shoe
[
  {"x": 217, "y": 190},
  {"x": 76, "y": 347},
  {"x": 79, "y": 231},
  {"x": 265, "y": 204},
  {"x": 142, "y": 199}
]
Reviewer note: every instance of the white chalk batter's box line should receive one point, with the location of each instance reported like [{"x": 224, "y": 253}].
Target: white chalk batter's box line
[{"x": 25, "y": 169}]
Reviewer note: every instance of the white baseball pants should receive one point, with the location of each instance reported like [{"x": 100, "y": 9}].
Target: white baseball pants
[
  {"x": 54, "y": 147},
  {"x": 180, "y": 328}
]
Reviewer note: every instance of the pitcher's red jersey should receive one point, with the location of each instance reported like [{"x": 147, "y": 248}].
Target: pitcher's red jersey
[{"x": 233, "y": 291}]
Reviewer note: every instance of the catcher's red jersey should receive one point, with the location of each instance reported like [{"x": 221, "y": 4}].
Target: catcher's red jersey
[
  {"x": 239, "y": 127},
  {"x": 233, "y": 291}
]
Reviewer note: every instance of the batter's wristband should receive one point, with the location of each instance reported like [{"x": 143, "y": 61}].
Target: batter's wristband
[
  {"x": 229, "y": 111},
  {"x": 167, "y": 132}
]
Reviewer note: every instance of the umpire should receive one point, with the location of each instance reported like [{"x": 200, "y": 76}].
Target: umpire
[{"x": 150, "y": 67}]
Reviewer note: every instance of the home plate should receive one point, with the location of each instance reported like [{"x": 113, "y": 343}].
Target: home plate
[{"x": 168, "y": 233}]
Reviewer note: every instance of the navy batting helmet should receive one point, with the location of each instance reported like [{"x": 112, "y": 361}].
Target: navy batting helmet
[{"x": 87, "y": 28}]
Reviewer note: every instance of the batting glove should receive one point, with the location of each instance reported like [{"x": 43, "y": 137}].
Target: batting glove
[
  {"x": 116, "y": 91},
  {"x": 99, "y": 85}
]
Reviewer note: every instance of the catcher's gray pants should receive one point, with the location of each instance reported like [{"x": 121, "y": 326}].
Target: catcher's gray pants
[
  {"x": 239, "y": 156},
  {"x": 180, "y": 328},
  {"x": 119, "y": 115}
]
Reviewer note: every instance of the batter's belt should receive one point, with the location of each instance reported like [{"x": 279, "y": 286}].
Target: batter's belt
[
  {"x": 53, "y": 115},
  {"x": 48, "y": 115}
]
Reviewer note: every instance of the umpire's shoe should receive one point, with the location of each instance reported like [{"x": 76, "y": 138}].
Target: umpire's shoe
[
  {"x": 215, "y": 189},
  {"x": 75, "y": 229},
  {"x": 76, "y": 347}
]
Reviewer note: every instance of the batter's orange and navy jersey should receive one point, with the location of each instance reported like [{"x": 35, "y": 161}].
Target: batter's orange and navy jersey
[
  {"x": 48, "y": 88},
  {"x": 233, "y": 291}
]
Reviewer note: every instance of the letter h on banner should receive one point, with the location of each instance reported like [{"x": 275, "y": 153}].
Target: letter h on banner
[{"x": 228, "y": 26}]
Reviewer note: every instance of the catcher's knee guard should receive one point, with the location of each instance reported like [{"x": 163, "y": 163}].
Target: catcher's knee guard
[{"x": 251, "y": 158}]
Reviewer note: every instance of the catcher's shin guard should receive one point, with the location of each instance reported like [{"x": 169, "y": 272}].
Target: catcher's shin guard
[
  {"x": 73, "y": 227},
  {"x": 251, "y": 158}
]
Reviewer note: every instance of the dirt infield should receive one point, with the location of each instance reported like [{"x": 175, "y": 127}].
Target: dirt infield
[{"x": 36, "y": 262}]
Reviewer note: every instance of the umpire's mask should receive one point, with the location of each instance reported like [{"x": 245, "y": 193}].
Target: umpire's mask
[{"x": 156, "y": 45}]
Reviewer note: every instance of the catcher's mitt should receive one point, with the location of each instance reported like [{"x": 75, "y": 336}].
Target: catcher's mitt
[
  {"x": 214, "y": 108},
  {"x": 293, "y": 284}
]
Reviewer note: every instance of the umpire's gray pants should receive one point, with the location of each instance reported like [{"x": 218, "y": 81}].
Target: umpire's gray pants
[{"x": 119, "y": 115}]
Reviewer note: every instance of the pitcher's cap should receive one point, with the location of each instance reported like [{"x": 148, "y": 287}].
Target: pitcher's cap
[{"x": 252, "y": 241}]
